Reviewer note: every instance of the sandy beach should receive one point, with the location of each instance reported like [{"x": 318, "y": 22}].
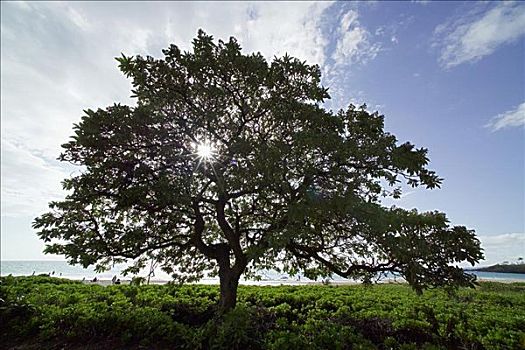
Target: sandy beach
[{"x": 108, "y": 282}]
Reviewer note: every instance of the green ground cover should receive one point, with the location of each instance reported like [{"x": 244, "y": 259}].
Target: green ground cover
[{"x": 38, "y": 312}]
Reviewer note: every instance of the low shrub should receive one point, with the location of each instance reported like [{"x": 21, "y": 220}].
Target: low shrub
[{"x": 390, "y": 316}]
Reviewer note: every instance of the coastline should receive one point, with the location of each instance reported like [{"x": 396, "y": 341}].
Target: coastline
[
  {"x": 62, "y": 269},
  {"x": 271, "y": 283},
  {"x": 106, "y": 281}
]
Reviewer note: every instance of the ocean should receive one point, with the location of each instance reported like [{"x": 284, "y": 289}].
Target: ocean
[
  {"x": 75, "y": 272},
  {"x": 63, "y": 269}
]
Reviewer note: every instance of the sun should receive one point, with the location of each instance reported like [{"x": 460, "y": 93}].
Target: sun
[{"x": 205, "y": 151}]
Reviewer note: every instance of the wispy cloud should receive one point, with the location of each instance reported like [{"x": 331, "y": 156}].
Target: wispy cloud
[
  {"x": 29, "y": 181},
  {"x": 57, "y": 60},
  {"x": 508, "y": 119},
  {"x": 421, "y": 2},
  {"x": 354, "y": 44},
  {"x": 477, "y": 34},
  {"x": 502, "y": 247}
]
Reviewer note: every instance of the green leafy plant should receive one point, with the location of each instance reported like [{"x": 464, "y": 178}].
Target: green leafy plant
[{"x": 388, "y": 316}]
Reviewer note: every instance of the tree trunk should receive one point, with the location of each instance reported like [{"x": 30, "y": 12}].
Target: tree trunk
[{"x": 229, "y": 283}]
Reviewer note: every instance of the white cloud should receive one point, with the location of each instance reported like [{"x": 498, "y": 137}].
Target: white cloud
[
  {"x": 476, "y": 35},
  {"x": 275, "y": 28},
  {"x": 58, "y": 59},
  {"x": 348, "y": 20},
  {"x": 77, "y": 18},
  {"x": 24, "y": 5},
  {"x": 502, "y": 247},
  {"x": 29, "y": 181},
  {"x": 511, "y": 118},
  {"x": 354, "y": 44}
]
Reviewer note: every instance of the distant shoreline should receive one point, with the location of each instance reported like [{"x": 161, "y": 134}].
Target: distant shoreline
[
  {"x": 500, "y": 268},
  {"x": 270, "y": 283},
  {"x": 62, "y": 269}
]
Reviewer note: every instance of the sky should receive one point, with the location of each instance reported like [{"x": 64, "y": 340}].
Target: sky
[{"x": 448, "y": 76}]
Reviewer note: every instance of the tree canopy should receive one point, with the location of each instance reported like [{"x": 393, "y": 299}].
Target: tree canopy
[{"x": 228, "y": 164}]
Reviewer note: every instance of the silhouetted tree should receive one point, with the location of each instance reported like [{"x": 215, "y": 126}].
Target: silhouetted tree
[{"x": 230, "y": 164}]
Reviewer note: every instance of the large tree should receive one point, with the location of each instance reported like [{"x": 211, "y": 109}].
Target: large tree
[{"x": 229, "y": 164}]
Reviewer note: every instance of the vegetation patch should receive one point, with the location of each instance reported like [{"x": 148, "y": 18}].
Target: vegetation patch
[{"x": 43, "y": 312}]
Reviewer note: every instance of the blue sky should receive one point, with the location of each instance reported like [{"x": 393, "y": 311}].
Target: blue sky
[{"x": 449, "y": 76}]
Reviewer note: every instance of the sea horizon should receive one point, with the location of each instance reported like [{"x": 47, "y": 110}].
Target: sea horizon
[{"x": 60, "y": 268}]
